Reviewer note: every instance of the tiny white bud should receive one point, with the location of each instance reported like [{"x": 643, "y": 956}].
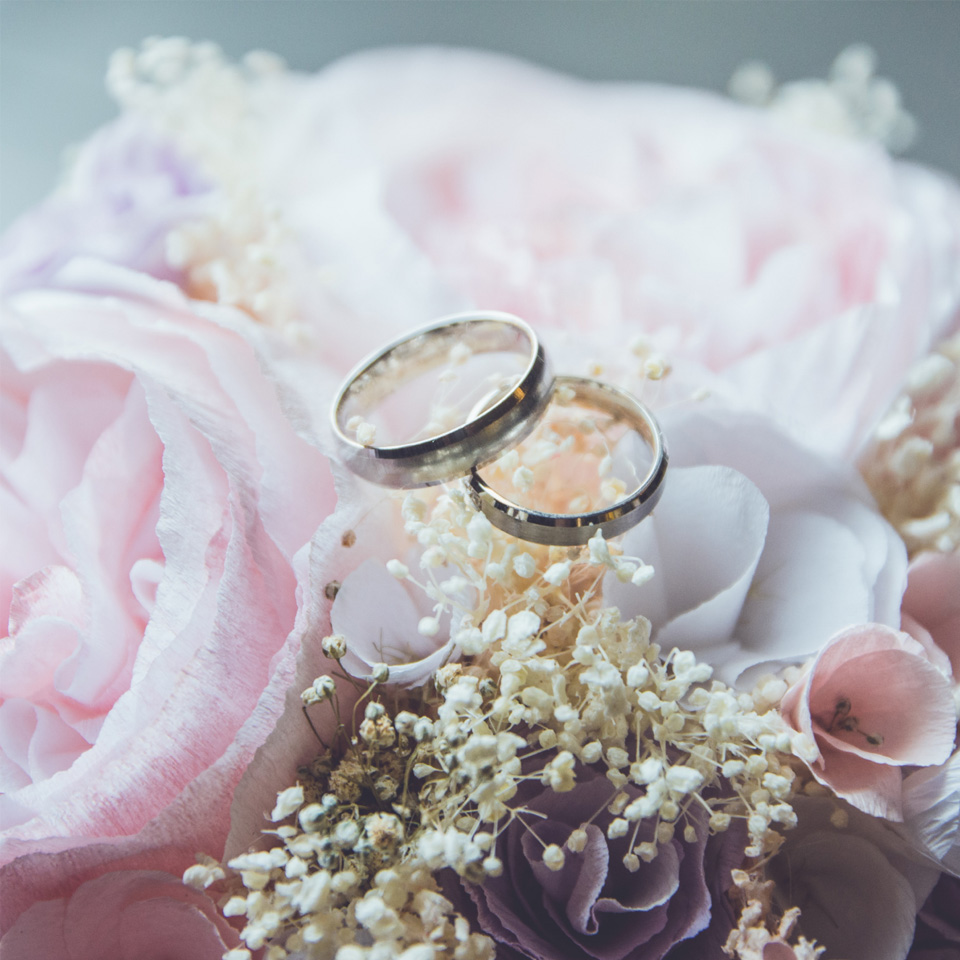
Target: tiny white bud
[
  {"x": 577, "y": 840},
  {"x": 334, "y": 646},
  {"x": 380, "y": 673},
  {"x": 558, "y": 573},
  {"x": 553, "y": 857},
  {"x": 397, "y": 569},
  {"x": 617, "y": 828},
  {"x": 524, "y": 565},
  {"x": 523, "y": 479},
  {"x": 288, "y": 801}
]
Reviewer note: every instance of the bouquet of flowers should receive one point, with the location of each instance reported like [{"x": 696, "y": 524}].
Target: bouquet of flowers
[{"x": 256, "y": 707}]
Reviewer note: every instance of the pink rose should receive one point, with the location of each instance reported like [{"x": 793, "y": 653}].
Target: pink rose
[
  {"x": 126, "y": 915},
  {"x": 159, "y": 509},
  {"x": 870, "y": 703}
]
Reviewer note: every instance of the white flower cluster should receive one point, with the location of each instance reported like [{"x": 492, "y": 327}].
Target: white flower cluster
[
  {"x": 853, "y": 102},
  {"x": 913, "y": 464},
  {"x": 344, "y": 883},
  {"x": 565, "y": 679},
  {"x": 210, "y": 107}
]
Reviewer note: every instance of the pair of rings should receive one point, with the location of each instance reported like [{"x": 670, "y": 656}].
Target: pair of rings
[{"x": 494, "y": 426}]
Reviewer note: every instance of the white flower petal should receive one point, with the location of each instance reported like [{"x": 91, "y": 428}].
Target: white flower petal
[
  {"x": 704, "y": 540},
  {"x": 380, "y": 621}
]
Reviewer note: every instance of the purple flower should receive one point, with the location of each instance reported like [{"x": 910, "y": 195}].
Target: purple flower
[
  {"x": 593, "y": 908},
  {"x": 125, "y": 190},
  {"x": 937, "y": 935}
]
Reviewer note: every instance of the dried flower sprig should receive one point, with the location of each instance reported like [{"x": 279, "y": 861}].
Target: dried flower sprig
[{"x": 913, "y": 464}]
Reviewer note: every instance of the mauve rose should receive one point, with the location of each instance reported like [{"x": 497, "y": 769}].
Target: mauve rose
[
  {"x": 593, "y": 908},
  {"x": 124, "y": 915},
  {"x": 937, "y": 936},
  {"x": 809, "y": 270},
  {"x": 126, "y": 188},
  {"x": 158, "y": 510},
  {"x": 859, "y": 887}
]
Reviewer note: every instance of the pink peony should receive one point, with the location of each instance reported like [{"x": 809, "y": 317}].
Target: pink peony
[
  {"x": 870, "y": 703},
  {"x": 158, "y": 514},
  {"x": 126, "y": 915},
  {"x": 808, "y": 270}
]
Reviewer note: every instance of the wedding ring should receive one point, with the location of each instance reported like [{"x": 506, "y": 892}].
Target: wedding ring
[
  {"x": 571, "y": 529},
  {"x": 498, "y": 421}
]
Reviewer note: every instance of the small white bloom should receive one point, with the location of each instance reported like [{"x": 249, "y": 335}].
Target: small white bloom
[
  {"x": 719, "y": 822},
  {"x": 577, "y": 840},
  {"x": 524, "y": 565},
  {"x": 617, "y": 757},
  {"x": 558, "y": 573},
  {"x": 617, "y": 828},
  {"x": 599, "y": 551},
  {"x": 334, "y": 646},
  {"x": 397, "y": 569},
  {"x": 288, "y": 801},
  {"x": 494, "y": 627},
  {"x": 521, "y": 626},
  {"x": 200, "y": 876},
  {"x": 682, "y": 779},
  {"x": 523, "y": 479},
  {"x": 553, "y": 857}
]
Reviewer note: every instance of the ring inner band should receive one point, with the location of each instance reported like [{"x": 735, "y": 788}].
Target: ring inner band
[{"x": 576, "y": 529}]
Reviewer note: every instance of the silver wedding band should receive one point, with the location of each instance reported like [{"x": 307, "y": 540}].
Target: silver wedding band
[
  {"x": 499, "y": 424},
  {"x": 575, "y": 529},
  {"x": 482, "y": 438}
]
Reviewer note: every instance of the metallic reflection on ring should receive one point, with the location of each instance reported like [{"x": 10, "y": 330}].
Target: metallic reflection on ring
[{"x": 577, "y": 529}]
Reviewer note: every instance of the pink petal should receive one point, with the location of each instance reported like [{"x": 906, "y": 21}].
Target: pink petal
[
  {"x": 126, "y": 915},
  {"x": 932, "y": 600},
  {"x": 894, "y": 692}
]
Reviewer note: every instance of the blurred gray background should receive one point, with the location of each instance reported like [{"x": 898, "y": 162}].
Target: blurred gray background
[{"x": 53, "y": 53}]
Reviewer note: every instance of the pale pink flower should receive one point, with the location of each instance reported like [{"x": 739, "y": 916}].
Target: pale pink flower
[
  {"x": 871, "y": 703},
  {"x": 158, "y": 514},
  {"x": 807, "y": 271},
  {"x": 125, "y": 915}
]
